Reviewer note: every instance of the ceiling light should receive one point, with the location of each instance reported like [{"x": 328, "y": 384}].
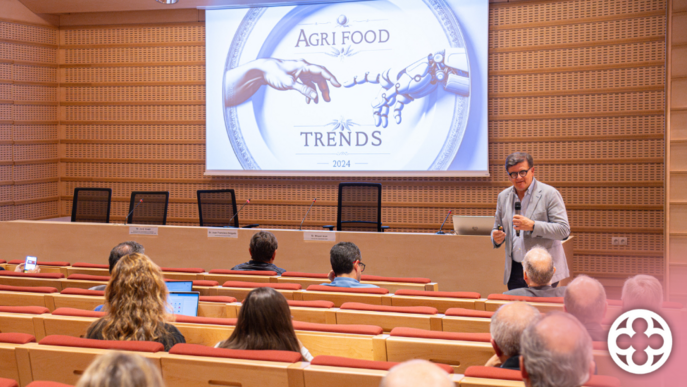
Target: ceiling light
[{"x": 167, "y": 1}]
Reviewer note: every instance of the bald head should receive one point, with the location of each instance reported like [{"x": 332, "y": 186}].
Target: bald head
[
  {"x": 507, "y": 325},
  {"x": 642, "y": 292},
  {"x": 585, "y": 298},
  {"x": 538, "y": 266},
  {"x": 556, "y": 352},
  {"x": 416, "y": 373}
]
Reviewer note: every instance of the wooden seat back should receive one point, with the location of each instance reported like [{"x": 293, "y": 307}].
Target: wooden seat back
[
  {"x": 442, "y": 304},
  {"x": 543, "y": 307},
  {"x": 10, "y": 298},
  {"x": 13, "y": 366},
  {"x": 389, "y": 320},
  {"x": 222, "y": 278},
  {"x": 340, "y": 298},
  {"x": 28, "y": 281}
]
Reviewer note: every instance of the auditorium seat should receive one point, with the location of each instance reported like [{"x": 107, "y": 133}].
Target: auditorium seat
[
  {"x": 12, "y": 365},
  {"x": 544, "y": 304},
  {"x": 313, "y": 311},
  {"x": 466, "y": 320},
  {"x": 499, "y": 377},
  {"x": 389, "y": 317},
  {"x": 183, "y": 273},
  {"x": 8, "y": 383},
  {"x": 440, "y": 300},
  {"x": 240, "y": 290},
  {"x": 222, "y": 275},
  {"x": 46, "y": 266},
  {"x": 390, "y": 283},
  {"x": 459, "y": 350},
  {"x": 43, "y": 383},
  {"x": 24, "y": 295},
  {"x": 12, "y": 278},
  {"x": 195, "y": 365},
  {"x": 341, "y": 295},
  {"x": 19, "y": 319},
  {"x": 86, "y": 268}
]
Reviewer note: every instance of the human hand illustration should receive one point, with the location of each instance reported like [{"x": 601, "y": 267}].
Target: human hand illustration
[
  {"x": 447, "y": 67},
  {"x": 242, "y": 82}
]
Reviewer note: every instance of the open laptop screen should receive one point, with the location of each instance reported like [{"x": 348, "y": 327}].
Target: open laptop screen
[
  {"x": 185, "y": 303},
  {"x": 179, "y": 286}
]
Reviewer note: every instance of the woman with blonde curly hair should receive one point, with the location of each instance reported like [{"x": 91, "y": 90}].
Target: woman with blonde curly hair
[
  {"x": 121, "y": 370},
  {"x": 135, "y": 302}
]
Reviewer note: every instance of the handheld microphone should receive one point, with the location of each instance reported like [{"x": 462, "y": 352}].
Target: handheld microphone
[
  {"x": 306, "y": 214},
  {"x": 442, "y": 225},
  {"x": 236, "y": 214},
  {"x": 132, "y": 211},
  {"x": 517, "y": 212}
]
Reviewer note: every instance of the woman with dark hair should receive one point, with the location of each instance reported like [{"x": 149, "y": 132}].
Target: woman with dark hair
[
  {"x": 135, "y": 302},
  {"x": 264, "y": 322}
]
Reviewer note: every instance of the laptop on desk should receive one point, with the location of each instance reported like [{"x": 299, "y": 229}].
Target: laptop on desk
[
  {"x": 179, "y": 286},
  {"x": 473, "y": 225},
  {"x": 184, "y": 303}
]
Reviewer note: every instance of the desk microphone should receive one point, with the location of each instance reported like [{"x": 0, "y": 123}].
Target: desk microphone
[
  {"x": 442, "y": 225},
  {"x": 517, "y": 212},
  {"x": 237, "y": 212},
  {"x": 306, "y": 214},
  {"x": 132, "y": 211}
]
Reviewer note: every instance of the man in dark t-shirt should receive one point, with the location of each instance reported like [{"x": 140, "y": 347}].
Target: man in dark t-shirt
[{"x": 263, "y": 250}]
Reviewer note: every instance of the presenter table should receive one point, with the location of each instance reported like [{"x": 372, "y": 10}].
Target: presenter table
[{"x": 456, "y": 263}]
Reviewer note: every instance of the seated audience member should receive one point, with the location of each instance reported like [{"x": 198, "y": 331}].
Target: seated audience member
[
  {"x": 121, "y": 370},
  {"x": 642, "y": 292},
  {"x": 263, "y": 250},
  {"x": 346, "y": 266},
  {"x": 264, "y": 322},
  {"x": 538, "y": 270},
  {"x": 585, "y": 298},
  {"x": 506, "y": 327},
  {"x": 117, "y": 252},
  {"x": 556, "y": 351},
  {"x": 135, "y": 302},
  {"x": 415, "y": 373}
]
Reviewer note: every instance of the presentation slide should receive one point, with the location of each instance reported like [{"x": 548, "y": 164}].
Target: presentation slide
[{"x": 391, "y": 87}]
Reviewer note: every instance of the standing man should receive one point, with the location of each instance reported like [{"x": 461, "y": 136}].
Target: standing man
[{"x": 542, "y": 221}]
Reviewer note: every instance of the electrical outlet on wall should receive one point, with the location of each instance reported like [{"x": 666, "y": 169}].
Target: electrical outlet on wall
[{"x": 622, "y": 241}]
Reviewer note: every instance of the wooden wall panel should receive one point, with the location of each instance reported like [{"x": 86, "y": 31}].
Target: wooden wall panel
[
  {"x": 579, "y": 84},
  {"x": 28, "y": 121}
]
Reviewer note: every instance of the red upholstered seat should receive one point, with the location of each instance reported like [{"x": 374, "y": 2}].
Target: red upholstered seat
[
  {"x": 31, "y": 275},
  {"x": 68, "y": 341},
  {"x": 17, "y": 338},
  {"x": 266, "y": 355},
  {"x": 492, "y": 373},
  {"x": 429, "y": 293},
  {"x": 600, "y": 345},
  {"x": 462, "y": 312},
  {"x": 223, "y": 299},
  {"x": 77, "y": 312},
  {"x": 602, "y": 381},
  {"x": 205, "y": 283},
  {"x": 244, "y": 272},
  {"x": 424, "y": 334},
  {"x": 343, "y": 328},
  {"x": 40, "y": 383},
  {"x": 239, "y": 284},
  {"x": 183, "y": 269},
  {"x": 204, "y": 320},
  {"x": 304, "y": 275},
  {"x": 322, "y": 288},
  {"x": 311, "y": 304},
  {"x": 506, "y": 297},
  {"x": 3, "y": 261},
  {"x": 88, "y": 277},
  {"x": 336, "y": 361},
  {"x": 30, "y": 289},
  {"x": 411, "y": 280},
  {"x": 8, "y": 383},
  {"x": 82, "y": 292},
  {"x": 391, "y": 309},
  {"x": 24, "y": 309},
  {"x": 41, "y": 263},
  {"x": 91, "y": 265}
]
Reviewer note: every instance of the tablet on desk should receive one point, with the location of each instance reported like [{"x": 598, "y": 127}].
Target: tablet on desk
[
  {"x": 184, "y": 303},
  {"x": 473, "y": 225},
  {"x": 179, "y": 286}
]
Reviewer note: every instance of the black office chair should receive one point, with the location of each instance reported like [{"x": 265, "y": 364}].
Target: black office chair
[
  {"x": 360, "y": 208},
  {"x": 91, "y": 205},
  {"x": 152, "y": 210},
  {"x": 217, "y": 207}
]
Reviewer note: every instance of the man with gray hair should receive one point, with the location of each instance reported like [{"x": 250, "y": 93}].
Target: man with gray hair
[
  {"x": 415, "y": 373},
  {"x": 556, "y": 352},
  {"x": 585, "y": 298},
  {"x": 506, "y": 327},
  {"x": 538, "y": 270},
  {"x": 119, "y": 251},
  {"x": 642, "y": 292}
]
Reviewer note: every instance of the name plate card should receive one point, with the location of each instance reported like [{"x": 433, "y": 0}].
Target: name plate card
[
  {"x": 138, "y": 230},
  {"x": 320, "y": 236},
  {"x": 223, "y": 233}
]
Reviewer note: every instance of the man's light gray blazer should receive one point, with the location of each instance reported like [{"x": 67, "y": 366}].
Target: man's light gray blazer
[{"x": 547, "y": 210}]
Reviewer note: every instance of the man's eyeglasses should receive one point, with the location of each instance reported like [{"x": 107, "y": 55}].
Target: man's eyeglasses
[
  {"x": 362, "y": 266},
  {"x": 523, "y": 173}
]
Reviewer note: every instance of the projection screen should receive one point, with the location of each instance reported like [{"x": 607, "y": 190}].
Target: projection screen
[{"x": 373, "y": 88}]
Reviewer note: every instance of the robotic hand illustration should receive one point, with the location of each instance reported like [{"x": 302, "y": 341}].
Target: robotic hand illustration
[{"x": 448, "y": 67}]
